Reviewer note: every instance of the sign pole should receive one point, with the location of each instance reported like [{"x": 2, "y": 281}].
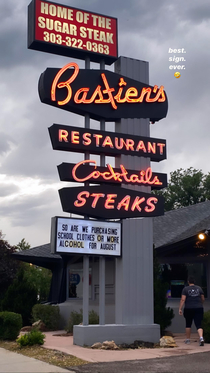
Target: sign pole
[
  {"x": 102, "y": 263},
  {"x": 86, "y": 257},
  {"x": 134, "y": 271}
]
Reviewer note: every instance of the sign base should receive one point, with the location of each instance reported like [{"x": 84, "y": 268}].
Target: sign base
[{"x": 87, "y": 335}]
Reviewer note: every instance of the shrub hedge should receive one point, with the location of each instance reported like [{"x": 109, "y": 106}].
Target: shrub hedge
[
  {"x": 48, "y": 314},
  {"x": 77, "y": 317},
  {"x": 10, "y": 325}
]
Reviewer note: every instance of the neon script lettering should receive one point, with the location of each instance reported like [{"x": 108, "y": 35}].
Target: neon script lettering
[
  {"x": 142, "y": 177},
  {"x": 131, "y": 95}
]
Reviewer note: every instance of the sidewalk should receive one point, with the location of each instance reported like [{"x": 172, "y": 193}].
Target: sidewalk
[
  {"x": 11, "y": 362},
  {"x": 65, "y": 344}
]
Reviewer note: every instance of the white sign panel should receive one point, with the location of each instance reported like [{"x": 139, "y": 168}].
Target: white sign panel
[{"x": 80, "y": 236}]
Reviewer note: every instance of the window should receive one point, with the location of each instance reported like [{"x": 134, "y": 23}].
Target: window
[{"x": 75, "y": 281}]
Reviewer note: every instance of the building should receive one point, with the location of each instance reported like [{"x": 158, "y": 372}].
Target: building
[{"x": 177, "y": 247}]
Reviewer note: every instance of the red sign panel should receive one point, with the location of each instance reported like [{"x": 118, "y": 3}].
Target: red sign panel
[
  {"x": 88, "y": 171},
  {"x": 110, "y": 202},
  {"x": 67, "y": 31}
]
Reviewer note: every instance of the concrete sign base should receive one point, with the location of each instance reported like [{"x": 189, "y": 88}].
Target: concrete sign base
[{"x": 87, "y": 335}]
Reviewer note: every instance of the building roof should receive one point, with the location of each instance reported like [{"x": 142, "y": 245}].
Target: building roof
[
  {"x": 39, "y": 255},
  {"x": 181, "y": 224},
  {"x": 168, "y": 230}
]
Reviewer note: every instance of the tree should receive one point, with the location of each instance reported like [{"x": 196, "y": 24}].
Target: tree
[
  {"x": 8, "y": 266},
  {"x": 206, "y": 184},
  {"x": 13, "y": 273},
  {"x": 185, "y": 187},
  {"x": 23, "y": 245},
  {"x": 20, "y": 297},
  {"x": 39, "y": 277}
]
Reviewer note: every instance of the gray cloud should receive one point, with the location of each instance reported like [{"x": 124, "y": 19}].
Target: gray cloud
[
  {"x": 31, "y": 210},
  {"x": 6, "y": 143},
  {"x": 147, "y": 29},
  {"x": 7, "y": 190},
  {"x": 29, "y": 217}
]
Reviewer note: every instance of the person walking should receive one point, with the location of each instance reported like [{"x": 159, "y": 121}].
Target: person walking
[{"x": 193, "y": 298}]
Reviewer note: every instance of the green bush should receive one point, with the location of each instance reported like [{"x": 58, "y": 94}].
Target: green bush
[
  {"x": 77, "y": 317},
  {"x": 74, "y": 319},
  {"x": 10, "y": 325},
  {"x": 206, "y": 326},
  {"x": 35, "y": 337},
  {"x": 48, "y": 314},
  {"x": 93, "y": 318}
]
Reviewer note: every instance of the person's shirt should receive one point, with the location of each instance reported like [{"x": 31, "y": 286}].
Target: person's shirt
[{"x": 193, "y": 296}]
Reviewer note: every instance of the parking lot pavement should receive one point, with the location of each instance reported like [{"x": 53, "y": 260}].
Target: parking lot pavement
[{"x": 192, "y": 363}]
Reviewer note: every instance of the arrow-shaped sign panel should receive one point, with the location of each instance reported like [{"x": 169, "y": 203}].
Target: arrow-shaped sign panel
[
  {"x": 88, "y": 171},
  {"x": 75, "y": 139},
  {"x": 110, "y": 202},
  {"x": 101, "y": 94}
]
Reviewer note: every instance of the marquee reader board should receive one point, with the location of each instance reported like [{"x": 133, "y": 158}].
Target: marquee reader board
[
  {"x": 71, "y": 32},
  {"x": 81, "y": 236}
]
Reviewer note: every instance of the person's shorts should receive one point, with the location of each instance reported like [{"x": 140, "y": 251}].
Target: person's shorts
[{"x": 195, "y": 314}]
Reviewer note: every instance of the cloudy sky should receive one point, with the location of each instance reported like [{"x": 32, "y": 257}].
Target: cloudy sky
[{"x": 29, "y": 179}]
